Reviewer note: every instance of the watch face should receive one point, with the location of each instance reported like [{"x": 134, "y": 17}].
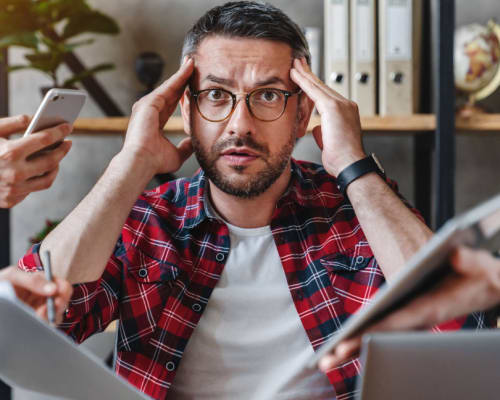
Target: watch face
[{"x": 378, "y": 163}]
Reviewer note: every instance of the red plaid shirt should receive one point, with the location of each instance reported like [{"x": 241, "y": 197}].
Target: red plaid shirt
[{"x": 172, "y": 252}]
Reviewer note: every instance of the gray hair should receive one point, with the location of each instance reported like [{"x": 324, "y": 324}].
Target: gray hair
[{"x": 247, "y": 19}]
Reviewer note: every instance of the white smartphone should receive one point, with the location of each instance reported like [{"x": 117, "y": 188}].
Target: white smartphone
[{"x": 59, "y": 106}]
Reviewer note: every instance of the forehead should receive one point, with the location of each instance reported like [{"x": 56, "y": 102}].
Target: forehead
[{"x": 242, "y": 59}]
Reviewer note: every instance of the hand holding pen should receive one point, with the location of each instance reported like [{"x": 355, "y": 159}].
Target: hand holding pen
[{"x": 33, "y": 289}]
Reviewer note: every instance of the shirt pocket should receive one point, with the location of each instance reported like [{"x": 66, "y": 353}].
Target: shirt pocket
[
  {"x": 151, "y": 270},
  {"x": 354, "y": 275},
  {"x": 349, "y": 260},
  {"x": 339, "y": 263},
  {"x": 147, "y": 285}
]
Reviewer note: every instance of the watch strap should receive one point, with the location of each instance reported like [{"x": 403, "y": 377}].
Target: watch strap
[{"x": 357, "y": 170}]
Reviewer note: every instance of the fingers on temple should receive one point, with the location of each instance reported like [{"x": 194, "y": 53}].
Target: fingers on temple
[
  {"x": 311, "y": 84},
  {"x": 172, "y": 89}
]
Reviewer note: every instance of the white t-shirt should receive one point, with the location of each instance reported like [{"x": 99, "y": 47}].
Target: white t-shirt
[{"x": 249, "y": 340}]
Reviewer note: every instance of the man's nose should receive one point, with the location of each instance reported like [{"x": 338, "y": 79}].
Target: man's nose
[{"x": 241, "y": 121}]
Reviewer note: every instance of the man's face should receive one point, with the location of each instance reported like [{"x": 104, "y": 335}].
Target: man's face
[{"x": 242, "y": 155}]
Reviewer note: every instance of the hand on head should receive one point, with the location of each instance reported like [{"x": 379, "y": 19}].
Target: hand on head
[
  {"x": 144, "y": 136},
  {"x": 340, "y": 122},
  {"x": 23, "y": 168},
  {"x": 33, "y": 289}
]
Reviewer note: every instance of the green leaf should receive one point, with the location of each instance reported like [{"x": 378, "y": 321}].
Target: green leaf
[
  {"x": 74, "y": 45},
  {"x": 57, "y": 10},
  {"x": 24, "y": 39},
  {"x": 16, "y": 17},
  {"x": 87, "y": 73},
  {"x": 48, "y": 62},
  {"x": 49, "y": 42},
  {"x": 93, "y": 21},
  {"x": 13, "y": 68}
]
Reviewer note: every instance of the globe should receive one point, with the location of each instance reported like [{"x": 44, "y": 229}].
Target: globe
[{"x": 477, "y": 60}]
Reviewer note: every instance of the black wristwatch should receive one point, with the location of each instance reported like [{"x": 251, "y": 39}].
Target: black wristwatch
[{"x": 357, "y": 170}]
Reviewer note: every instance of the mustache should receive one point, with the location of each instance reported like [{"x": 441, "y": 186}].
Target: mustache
[{"x": 245, "y": 141}]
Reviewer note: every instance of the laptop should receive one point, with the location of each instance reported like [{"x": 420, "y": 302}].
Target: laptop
[{"x": 428, "y": 366}]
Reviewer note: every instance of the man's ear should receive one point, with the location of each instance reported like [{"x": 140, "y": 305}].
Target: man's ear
[
  {"x": 185, "y": 105},
  {"x": 305, "y": 108}
]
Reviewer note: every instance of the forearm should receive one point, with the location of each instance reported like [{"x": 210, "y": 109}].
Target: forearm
[
  {"x": 82, "y": 243},
  {"x": 393, "y": 231}
]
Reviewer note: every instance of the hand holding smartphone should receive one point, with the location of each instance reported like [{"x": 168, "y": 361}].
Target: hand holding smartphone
[
  {"x": 31, "y": 163},
  {"x": 59, "y": 106}
]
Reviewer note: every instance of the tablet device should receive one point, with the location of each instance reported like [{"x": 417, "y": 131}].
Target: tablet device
[
  {"x": 422, "y": 365},
  {"x": 37, "y": 357},
  {"x": 475, "y": 228}
]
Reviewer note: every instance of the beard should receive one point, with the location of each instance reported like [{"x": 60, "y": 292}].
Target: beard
[{"x": 253, "y": 185}]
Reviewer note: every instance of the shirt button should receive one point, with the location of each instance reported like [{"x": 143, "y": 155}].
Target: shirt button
[
  {"x": 143, "y": 272},
  {"x": 68, "y": 313},
  {"x": 196, "y": 307},
  {"x": 170, "y": 366},
  {"x": 219, "y": 257},
  {"x": 359, "y": 259},
  {"x": 300, "y": 296}
]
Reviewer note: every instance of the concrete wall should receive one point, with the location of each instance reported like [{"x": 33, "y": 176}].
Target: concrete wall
[{"x": 160, "y": 25}]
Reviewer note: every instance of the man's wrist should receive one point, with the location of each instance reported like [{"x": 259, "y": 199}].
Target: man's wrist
[
  {"x": 137, "y": 160},
  {"x": 358, "y": 169},
  {"x": 334, "y": 168}
]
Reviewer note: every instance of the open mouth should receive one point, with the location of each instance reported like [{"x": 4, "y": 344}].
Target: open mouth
[{"x": 239, "y": 155}]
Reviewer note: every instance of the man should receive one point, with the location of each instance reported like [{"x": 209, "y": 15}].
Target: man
[
  {"x": 475, "y": 286},
  {"x": 244, "y": 269}
]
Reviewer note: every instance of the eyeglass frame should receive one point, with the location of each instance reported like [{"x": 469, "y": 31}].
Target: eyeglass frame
[{"x": 286, "y": 93}]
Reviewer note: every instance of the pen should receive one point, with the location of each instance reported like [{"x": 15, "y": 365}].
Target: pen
[{"x": 51, "y": 311}]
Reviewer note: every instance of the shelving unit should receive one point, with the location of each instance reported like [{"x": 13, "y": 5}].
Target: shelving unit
[
  {"x": 444, "y": 100},
  {"x": 412, "y": 124}
]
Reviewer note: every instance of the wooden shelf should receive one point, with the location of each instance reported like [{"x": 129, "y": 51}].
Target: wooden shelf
[{"x": 411, "y": 124}]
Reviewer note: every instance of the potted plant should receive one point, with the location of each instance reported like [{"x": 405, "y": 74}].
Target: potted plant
[{"x": 48, "y": 29}]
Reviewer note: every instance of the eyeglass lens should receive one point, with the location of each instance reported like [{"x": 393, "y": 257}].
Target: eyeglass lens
[{"x": 265, "y": 104}]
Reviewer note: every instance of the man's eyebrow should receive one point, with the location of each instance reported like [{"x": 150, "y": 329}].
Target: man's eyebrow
[
  {"x": 219, "y": 80},
  {"x": 230, "y": 82}
]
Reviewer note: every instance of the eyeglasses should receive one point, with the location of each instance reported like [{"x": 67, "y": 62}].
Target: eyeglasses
[{"x": 265, "y": 104}]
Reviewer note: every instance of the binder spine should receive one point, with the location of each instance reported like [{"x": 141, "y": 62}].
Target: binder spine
[
  {"x": 399, "y": 40},
  {"x": 363, "y": 55},
  {"x": 337, "y": 70}
]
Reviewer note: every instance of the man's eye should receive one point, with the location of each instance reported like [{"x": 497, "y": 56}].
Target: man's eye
[
  {"x": 216, "y": 95},
  {"x": 268, "y": 96}
]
